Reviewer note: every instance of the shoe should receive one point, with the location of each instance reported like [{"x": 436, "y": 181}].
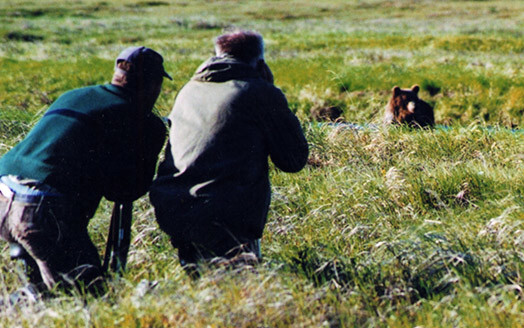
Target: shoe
[{"x": 240, "y": 260}]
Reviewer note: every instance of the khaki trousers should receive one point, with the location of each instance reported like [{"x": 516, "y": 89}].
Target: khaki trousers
[{"x": 64, "y": 254}]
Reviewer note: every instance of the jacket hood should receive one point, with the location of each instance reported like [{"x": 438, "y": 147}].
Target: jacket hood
[{"x": 221, "y": 69}]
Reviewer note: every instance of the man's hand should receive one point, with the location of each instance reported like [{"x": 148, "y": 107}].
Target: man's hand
[{"x": 264, "y": 71}]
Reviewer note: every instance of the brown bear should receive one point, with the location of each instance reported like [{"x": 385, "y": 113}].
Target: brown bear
[{"x": 405, "y": 107}]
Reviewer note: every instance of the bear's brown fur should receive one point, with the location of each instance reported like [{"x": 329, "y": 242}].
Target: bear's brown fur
[{"x": 405, "y": 107}]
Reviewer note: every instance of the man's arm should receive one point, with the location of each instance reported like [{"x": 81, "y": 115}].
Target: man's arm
[
  {"x": 129, "y": 170},
  {"x": 288, "y": 147}
]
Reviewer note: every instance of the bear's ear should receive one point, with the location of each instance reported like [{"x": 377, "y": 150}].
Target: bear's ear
[
  {"x": 396, "y": 91},
  {"x": 415, "y": 88}
]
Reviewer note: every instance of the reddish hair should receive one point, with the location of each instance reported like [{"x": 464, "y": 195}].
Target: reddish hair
[{"x": 243, "y": 45}]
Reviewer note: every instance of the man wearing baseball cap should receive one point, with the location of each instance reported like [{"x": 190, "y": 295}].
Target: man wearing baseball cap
[{"x": 93, "y": 142}]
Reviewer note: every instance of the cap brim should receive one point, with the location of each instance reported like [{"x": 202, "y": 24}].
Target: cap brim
[{"x": 167, "y": 75}]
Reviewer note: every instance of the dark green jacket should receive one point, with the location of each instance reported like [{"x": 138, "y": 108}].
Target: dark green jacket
[
  {"x": 226, "y": 122},
  {"x": 91, "y": 142}
]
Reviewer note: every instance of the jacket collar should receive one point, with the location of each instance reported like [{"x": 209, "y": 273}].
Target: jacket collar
[
  {"x": 221, "y": 69},
  {"x": 119, "y": 91}
]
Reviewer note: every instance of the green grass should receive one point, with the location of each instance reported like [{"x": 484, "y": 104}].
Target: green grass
[{"x": 386, "y": 228}]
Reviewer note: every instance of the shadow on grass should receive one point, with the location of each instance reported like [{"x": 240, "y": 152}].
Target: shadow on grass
[
  {"x": 401, "y": 271},
  {"x": 148, "y": 4},
  {"x": 21, "y": 36}
]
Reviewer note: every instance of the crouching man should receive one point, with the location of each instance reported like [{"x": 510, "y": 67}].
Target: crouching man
[
  {"x": 95, "y": 141},
  {"x": 212, "y": 192}
]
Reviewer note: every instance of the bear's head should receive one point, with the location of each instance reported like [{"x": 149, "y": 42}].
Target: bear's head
[{"x": 405, "y": 107}]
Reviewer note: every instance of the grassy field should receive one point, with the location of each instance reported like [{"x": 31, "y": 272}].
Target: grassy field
[{"x": 385, "y": 228}]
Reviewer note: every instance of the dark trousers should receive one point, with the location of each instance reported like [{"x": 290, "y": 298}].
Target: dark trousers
[{"x": 63, "y": 253}]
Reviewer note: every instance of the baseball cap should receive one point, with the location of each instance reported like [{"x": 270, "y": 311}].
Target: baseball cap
[{"x": 152, "y": 61}]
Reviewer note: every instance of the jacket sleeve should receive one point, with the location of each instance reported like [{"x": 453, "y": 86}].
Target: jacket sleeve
[
  {"x": 288, "y": 147},
  {"x": 129, "y": 170}
]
